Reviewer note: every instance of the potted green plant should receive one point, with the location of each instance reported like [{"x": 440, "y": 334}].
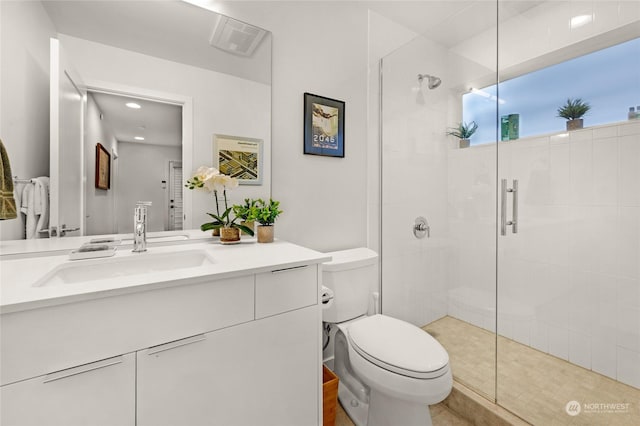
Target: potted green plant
[
  {"x": 463, "y": 131},
  {"x": 210, "y": 179},
  {"x": 266, "y": 214},
  {"x": 246, "y": 212},
  {"x": 573, "y": 111}
]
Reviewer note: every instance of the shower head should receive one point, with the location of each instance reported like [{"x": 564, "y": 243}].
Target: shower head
[{"x": 432, "y": 81}]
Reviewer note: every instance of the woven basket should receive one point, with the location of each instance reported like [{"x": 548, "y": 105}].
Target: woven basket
[{"x": 329, "y": 397}]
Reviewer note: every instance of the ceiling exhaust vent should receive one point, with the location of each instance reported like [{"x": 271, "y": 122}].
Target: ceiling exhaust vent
[{"x": 236, "y": 36}]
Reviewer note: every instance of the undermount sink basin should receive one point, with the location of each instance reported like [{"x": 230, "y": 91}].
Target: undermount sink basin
[{"x": 92, "y": 270}]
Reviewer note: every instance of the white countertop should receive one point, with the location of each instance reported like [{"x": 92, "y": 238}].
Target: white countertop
[
  {"x": 44, "y": 246},
  {"x": 20, "y": 278}
]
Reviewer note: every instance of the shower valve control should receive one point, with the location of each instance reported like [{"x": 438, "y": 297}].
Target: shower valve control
[{"x": 421, "y": 228}]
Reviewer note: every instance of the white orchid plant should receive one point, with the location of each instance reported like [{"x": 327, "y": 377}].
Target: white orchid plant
[{"x": 210, "y": 179}]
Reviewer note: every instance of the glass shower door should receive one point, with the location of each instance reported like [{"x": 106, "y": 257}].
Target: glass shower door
[
  {"x": 441, "y": 275},
  {"x": 568, "y": 317}
]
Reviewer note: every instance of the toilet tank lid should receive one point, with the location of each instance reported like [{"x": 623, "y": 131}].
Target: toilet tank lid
[{"x": 350, "y": 259}]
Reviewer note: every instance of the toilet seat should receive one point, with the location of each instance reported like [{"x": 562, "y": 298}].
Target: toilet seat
[{"x": 399, "y": 347}]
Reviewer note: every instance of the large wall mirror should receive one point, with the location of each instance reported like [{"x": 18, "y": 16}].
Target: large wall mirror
[{"x": 190, "y": 73}]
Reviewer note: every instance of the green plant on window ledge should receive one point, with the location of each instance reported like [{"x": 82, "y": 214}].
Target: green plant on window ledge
[
  {"x": 573, "y": 111},
  {"x": 464, "y": 131}
]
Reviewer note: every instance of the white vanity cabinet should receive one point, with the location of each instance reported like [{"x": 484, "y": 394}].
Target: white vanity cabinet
[
  {"x": 237, "y": 348},
  {"x": 263, "y": 372},
  {"x": 101, "y": 393},
  {"x": 258, "y": 373}
]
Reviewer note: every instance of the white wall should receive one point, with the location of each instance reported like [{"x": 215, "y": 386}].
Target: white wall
[
  {"x": 99, "y": 203},
  {"x": 147, "y": 166},
  {"x": 221, "y": 104},
  {"x": 25, "y": 29},
  {"x": 320, "y": 48}
]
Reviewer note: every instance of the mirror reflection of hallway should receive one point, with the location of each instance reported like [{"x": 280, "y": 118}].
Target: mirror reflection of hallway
[{"x": 144, "y": 138}]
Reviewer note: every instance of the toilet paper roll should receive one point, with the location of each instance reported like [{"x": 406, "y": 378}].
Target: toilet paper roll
[{"x": 326, "y": 297}]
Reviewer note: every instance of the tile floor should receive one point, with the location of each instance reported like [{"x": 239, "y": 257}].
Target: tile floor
[
  {"x": 440, "y": 415},
  {"x": 533, "y": 385}
]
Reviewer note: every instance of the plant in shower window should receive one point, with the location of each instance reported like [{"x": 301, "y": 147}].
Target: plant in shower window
[
  {"x": 573, "y": 111},
  {"x": 464, "y": 131}
]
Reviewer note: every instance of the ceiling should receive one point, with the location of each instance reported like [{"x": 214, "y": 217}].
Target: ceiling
[
  {"x": 439, "y": 20},
  {"x": 159, "y": 123},
  {"x": 158, "y": 28}
]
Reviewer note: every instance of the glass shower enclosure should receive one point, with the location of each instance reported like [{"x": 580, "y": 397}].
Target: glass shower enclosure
[{"x": 529, "y": 274}]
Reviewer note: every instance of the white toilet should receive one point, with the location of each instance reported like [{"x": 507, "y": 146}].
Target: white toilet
[{"x": 389, "y": 370}]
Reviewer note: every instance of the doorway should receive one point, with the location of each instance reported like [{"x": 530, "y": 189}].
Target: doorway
[{"x": 143, "y": 137}]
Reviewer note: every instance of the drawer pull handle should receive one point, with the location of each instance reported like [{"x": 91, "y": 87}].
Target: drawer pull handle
[
  {"x": 74, "y": 371},
  {"x": 176, "y": 344},
  {"x": 277, "y": 271}
]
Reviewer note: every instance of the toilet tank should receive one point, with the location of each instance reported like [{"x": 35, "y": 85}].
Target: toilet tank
[{"x": 350, "y": 275}]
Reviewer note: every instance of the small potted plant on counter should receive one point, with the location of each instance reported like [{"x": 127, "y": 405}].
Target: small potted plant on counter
[
  {"x": 464, "y": 131},
  {"x": 247, "y": 212},
  {"x": 573, "y": 111},
  {"x": 266, "y": 214}
]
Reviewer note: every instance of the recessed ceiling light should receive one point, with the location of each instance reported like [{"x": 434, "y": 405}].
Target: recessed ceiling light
[
  {"x": 133, "y": 105},
  {"x": 580, "y": 20},
  {"x": 139, "y": 138}
]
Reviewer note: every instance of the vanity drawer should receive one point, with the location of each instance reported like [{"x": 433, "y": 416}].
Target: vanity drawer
[
  {"x": 287, "y": 289},
  {"x": 39, "y": 341}
]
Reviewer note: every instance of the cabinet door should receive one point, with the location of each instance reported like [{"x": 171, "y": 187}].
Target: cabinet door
[
  {"x": 99, "y": 393},
  {"x": 260, "y": 373}
]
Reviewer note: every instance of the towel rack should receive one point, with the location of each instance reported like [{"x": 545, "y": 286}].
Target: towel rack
[{"x": 16, "y": 180}]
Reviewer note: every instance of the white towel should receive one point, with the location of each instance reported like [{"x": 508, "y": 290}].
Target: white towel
[
  {"x": 27, "y": 208},
  {"x": 41, "y": 204},
  {"x": 35, "y": 206}
]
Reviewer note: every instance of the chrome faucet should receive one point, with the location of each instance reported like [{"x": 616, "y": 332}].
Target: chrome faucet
[{"x": 140, "y": 227}]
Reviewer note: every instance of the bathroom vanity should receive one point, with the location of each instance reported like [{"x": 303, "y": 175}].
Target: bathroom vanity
[{"x": 191, "y": 334}]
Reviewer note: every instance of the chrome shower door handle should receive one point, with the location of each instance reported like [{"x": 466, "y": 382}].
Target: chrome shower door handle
[
  {"x": 503, "y": 207},
  {"x": 514, "y": 219}
]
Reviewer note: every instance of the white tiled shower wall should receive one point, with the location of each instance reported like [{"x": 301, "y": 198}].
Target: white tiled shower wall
[
  {"x": 414, "y": 182},
  {"x": 569, "y": 281}
]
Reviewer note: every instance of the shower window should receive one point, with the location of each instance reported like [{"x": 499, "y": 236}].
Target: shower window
[{"x": 536, "y": 96}]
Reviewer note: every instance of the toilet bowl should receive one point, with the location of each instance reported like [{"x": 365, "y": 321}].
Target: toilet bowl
[{"x": 390, "y": 371}]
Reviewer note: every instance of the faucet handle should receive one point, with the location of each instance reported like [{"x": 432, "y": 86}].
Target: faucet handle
[{"x": 140, "y": 214}]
